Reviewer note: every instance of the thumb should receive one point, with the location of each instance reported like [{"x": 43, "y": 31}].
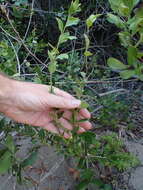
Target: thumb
[{"x": 62, "y": 102}]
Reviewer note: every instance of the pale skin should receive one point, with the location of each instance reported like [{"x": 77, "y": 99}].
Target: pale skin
[{"x": 32, "y": 104}]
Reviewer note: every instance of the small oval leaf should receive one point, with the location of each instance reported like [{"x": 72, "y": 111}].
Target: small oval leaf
[{"x": 115, "y": 64}]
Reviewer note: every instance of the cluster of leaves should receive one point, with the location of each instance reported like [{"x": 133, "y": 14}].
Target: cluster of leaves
[
  {"x": 117, "y": 107},
  {"x": 88, "y": 149},
  {"x": 8, "y": 62},
  {"x": 131, "y": 37}
]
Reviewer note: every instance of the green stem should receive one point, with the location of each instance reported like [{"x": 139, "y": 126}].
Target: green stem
[
  {"x": 138, "y": 43},
  {"x": 51, "y": 83}
]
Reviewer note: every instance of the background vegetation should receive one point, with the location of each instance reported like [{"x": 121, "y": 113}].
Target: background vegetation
[{"x": 92, "y": 49}]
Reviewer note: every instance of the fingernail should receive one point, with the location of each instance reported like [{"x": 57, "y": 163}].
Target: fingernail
[
  {"x": 89, "y": 126},
  {"x": 76, "y": 102}
]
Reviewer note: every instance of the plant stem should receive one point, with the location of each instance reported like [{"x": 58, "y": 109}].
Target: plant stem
[{"x": 51, "y": 84}]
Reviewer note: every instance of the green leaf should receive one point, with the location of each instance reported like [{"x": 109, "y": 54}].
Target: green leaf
[
  {"x": 60, "y": 24},
  {"x": 63, "y": 56},
  {"x": 30, "y": 160},
  {"x": 89, "y": 137},
  {"x": 97, "y": 182},
  {"x": 115, "y": 64},
  {"x": 135, "y": 24},
  {"x": 115, "y": 5},
  {"x": 52, "y": 56},
  {"x": 127, "y": 74},
  {"x": 139, "y": 12},
  {"x": 75, "y": 7},
  {"x": 125, "y": 38},
  {"x": 140, "y": 55},
  {"x": 87, "y": 53},
  {"x": 141, "y": 77},
  {"x": 130, "y": 3},
  {"x": 123, "y": 7},
  {"x": 83, "y": 185},
  {"x": 5, "y": 162},
  {"x": 10, "y": 143},
  {"x": 135, "y": 2},
  {"x": 79, "y": 91},
  {"x": 124, "y": 10},
  {"x": 72, "y": 38},
  {"x": 87, "y": 42},
  {"x": 84, "y": 104},
  {"x": 64, "y": 37},
  {"x": 115, "y": 20},
  {"x": 72, "y": 21},
  {"x": 92, "y": 18},
  {"x": 53, "y": 63},
  {"x": 87, "y": 174},
  {"x": 2, "y": 151},
  {"x": 17, "y": 13},
  {"x": 37, "y": 80},
  {"x": 52, "y": 67},
  {"x": 141, "y": 37},
  {"x": 132, "y": 55}
]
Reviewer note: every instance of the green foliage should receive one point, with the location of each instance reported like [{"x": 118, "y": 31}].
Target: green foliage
[
  {"x": 119, "y": 158},
  {"x": 30, "y": 160},
  {"x": 5, "y": 162},
  {"x": 131, "y": 37},
  {"x": 115, "y": 110},
  {"x": 7, "y": 58},
  {"x": 71, "y": 68}
]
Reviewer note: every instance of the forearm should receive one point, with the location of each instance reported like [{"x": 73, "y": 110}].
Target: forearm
[{"x": 6, "y": 85}]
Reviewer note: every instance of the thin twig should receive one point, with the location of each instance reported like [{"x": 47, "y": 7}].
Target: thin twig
[
  {"x": 19, "y": 39},
  {"x": 112, "y": 92},
  {"x": 29, "y": 23},
  {"x": 98, "y": 81}
]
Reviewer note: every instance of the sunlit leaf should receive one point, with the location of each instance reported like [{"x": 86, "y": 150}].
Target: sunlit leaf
[
  {"x": 63, "y": 56},
  {"x": 75, "y": 7},
  {"x": 72, "y": 21},
  {"x": 115, "y": 64},
  {"x": 84, "y": 104},
  {"x": 87, "y": 41},
  {"x": 125, "y": 38},
  {"x": 92, "y": 18},
  {"x": 52, "y": 67},
  {"x": 60, "y": 24},
  {"x": 126, "y": 74},
  {"x": 115, "y": 20},
  {"x": 88, "y": 53},
  {"x": 64, "y": 37}
]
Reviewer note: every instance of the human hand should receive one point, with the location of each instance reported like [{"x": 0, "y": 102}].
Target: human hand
[{"x": 32, "y": 104}]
